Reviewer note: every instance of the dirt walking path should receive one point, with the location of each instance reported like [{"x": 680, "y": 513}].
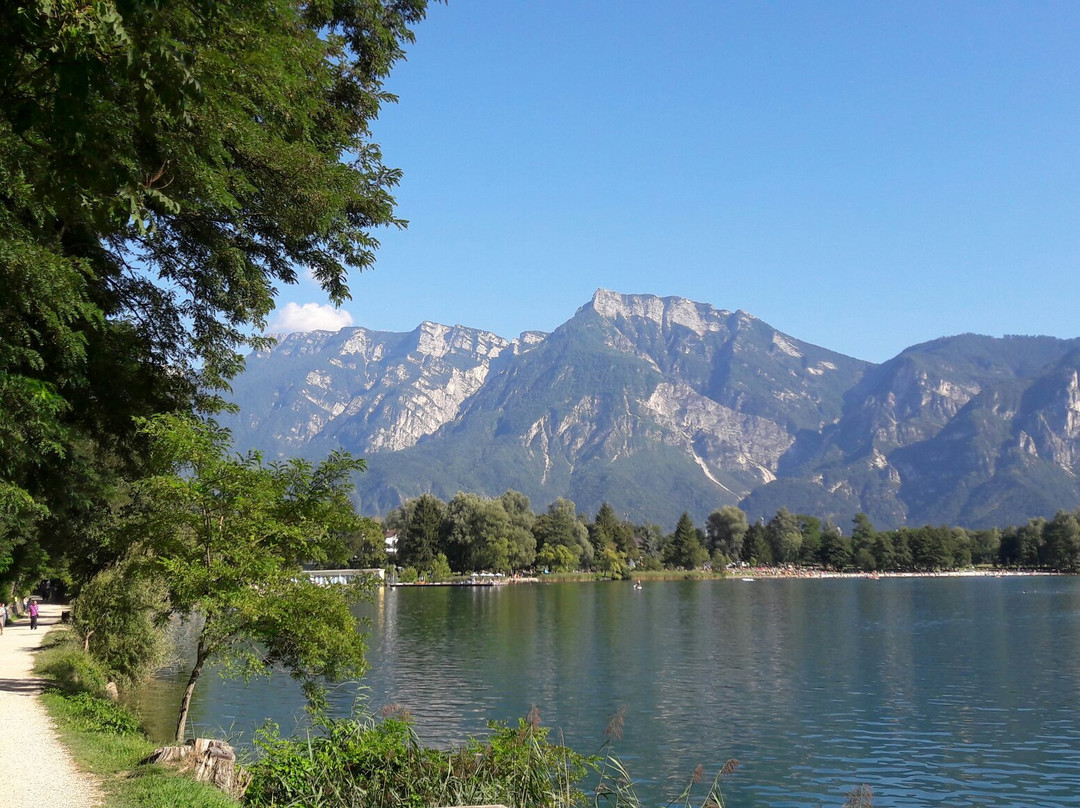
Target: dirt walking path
[{"x": 38, "y": 772}]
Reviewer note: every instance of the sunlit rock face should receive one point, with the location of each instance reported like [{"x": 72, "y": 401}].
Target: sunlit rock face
[{"x": 367, "y": 390}]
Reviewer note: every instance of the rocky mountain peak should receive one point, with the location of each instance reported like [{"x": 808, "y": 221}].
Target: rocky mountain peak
[
  {"x": 437, "y": 340},
  {"x": 700, "y": 318}
]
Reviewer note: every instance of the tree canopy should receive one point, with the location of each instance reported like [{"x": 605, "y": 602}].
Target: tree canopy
[
  {"x": 163, "y": 168},
  {"x": 227, "y": 537}
]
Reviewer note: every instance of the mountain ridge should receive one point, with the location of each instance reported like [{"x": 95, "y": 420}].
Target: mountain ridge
[{"x": 660, "y": 405}]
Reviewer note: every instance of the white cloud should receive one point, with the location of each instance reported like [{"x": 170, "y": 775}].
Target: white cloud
[{"x": 294, "y": 317}]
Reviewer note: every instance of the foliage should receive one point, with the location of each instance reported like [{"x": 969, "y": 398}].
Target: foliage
[
  {"x": 365, "y": 544},
  {"x": 685, "y": 550},
  {"x": 784, "y": 535},
  {"x": 725, "y": 529},
  {"x": 359, "y": 762},
  {"x": 421, "y": 531},
  {"x": 482, "y": 536},
  {"x": 228, "y": 536},
  {"x": 68, "y": 668},
  {"x": 118, "y": 614},
  {"x": 105, "y": 738},
  {"x": 560, "y": 527},
  {"x": 440, "y": 569},
  {"x": 164, "y": 167}
]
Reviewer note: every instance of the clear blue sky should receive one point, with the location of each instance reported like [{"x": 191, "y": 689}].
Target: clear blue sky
[{"x": 863, "y": 176}]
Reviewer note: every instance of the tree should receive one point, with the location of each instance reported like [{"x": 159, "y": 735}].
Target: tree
[
  {"x": 884, "y": 551},
  {"x": 725, "y": 529},
  {"x": 756, "y": 549},
  {"x": 684, "y": 550},
  {"x": 522, "y": 542},
  {"x": 118, "y": 616},
  {"x": 862, "y": 534},
  {"x": 810, "y": 547},
  {"x": 561, "y": 526},
  {"x": 421, "y": 536},
  {"x": 1062, "y": 539},
  {"x": 835, "y": 552},
  {"x": 366, "y": 544},
  {"x": 612, "y": 542},
  {"x": 652, "y": 540},
  {"x": 228, "y": 536},
  {"x": 604, "y": 529},
  {"x": 784, "y": 536},
  {"x": 164, "y": 167},
  {"x": 1031, "y": 538},
  {"x": 985, "y": 547}
]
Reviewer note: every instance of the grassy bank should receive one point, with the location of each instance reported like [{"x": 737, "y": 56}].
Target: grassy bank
[{"x": 105, "y": 739}]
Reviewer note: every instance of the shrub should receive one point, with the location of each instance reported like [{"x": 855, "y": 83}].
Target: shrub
[
  {"x": 101, "y": 715},
  {"x": 69, "y": 668},
  {"x": 118, "y": 616},
  {"x": 361, "y": 763}
]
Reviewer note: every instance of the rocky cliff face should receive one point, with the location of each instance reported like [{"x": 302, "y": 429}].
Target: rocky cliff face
[
  {"x": 660, "y": 405},
  {"x": 366, "y": 390}
]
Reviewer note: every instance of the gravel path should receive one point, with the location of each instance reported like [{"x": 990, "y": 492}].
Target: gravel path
[{"x": 37, "y": 771}]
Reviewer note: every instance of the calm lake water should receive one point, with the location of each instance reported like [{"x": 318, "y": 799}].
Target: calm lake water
[{"x": 933, "y": 691}]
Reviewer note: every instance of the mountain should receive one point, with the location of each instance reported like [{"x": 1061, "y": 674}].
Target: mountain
[{"x": 660, "y": 405}]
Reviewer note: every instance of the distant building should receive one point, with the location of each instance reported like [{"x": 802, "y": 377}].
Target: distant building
[{"x": 391, "y": 537}]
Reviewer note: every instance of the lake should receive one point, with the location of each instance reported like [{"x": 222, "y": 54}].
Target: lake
[{"x": 932, "y": 691}]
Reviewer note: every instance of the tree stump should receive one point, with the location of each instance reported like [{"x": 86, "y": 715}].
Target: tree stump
[{"x": 208, "y": 760}]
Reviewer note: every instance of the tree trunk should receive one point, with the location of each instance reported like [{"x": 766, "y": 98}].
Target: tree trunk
[{"x": 185, "y": 702}]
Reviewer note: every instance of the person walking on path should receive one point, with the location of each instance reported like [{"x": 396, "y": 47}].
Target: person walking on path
[
  {"x": 49, "y": 776},
  {"x": 33, "y": 615}
]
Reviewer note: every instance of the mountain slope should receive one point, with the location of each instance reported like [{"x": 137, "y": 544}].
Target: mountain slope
[{"x": 659, "y": 405}]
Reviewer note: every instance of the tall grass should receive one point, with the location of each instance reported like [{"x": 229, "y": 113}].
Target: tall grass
[{"x": 359, "y": 762}]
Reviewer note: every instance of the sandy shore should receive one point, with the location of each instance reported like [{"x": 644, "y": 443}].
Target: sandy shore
[
  {"x": 38, "y": 771},
  {"x": 798, "y": 572}
]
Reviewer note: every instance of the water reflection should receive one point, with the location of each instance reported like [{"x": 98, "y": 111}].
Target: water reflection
[{"x": 933, "y": 691}]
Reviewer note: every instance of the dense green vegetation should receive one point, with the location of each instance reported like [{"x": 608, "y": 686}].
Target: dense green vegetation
[
  {"x": 471, "y": 533},
  {"x": 163, "y": 166}
]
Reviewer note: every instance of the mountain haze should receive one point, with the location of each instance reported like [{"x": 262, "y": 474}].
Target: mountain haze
[{"x": 660, "y": 405}]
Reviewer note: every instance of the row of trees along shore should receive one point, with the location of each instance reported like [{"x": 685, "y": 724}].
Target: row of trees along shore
[{"x": 503, "y": 534}]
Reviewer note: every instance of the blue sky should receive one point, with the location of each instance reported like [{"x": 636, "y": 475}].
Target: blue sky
[{"x": 863, "y": 176}]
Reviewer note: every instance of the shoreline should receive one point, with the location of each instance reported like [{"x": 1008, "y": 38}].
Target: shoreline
[
  {"x": 736, "y": 574},
  {"x": 803, "y": 574}
]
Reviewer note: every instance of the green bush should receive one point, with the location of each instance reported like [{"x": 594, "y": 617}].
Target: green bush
[
  {"x": 94, "y": 714},
  {"x": 70, "y": 669},
  {"x": 118, "y": 615},
  {"x": 360, "y": 763}
]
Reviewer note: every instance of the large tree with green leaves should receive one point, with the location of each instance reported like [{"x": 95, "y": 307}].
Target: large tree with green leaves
[
  {"x": 725, "y": 529},
  {"x": 227, "y": 536},
  {"x": 163, "y": 168},
  {"x": 562, "y": 540},
  {"x": 685, "y": 549}
]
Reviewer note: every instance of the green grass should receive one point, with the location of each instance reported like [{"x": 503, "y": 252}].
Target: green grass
[{"x": 103, "y": 737}]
